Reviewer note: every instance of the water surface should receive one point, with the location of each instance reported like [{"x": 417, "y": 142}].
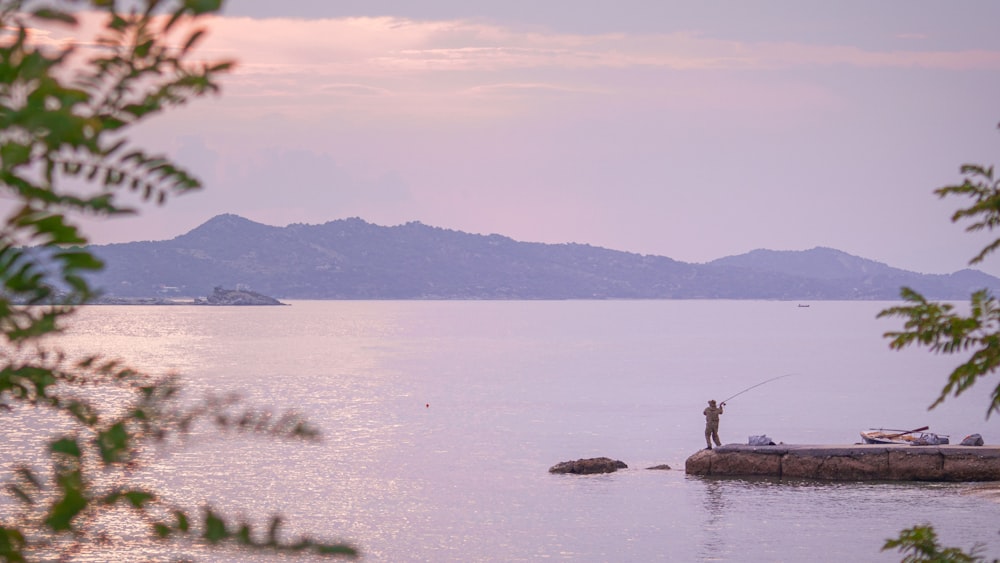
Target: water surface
[{"x": 441, "y": 419}]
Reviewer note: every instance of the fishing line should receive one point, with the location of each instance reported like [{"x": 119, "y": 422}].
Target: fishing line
[{"x": 757, "y": 385}]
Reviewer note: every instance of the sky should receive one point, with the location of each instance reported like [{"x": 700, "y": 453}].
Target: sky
[{"x": 693, "y": 130}]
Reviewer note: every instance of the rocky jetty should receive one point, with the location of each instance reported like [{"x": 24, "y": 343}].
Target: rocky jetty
[
  {"x": 862, "y": 462},
  {"x": 589, "y": 466}
]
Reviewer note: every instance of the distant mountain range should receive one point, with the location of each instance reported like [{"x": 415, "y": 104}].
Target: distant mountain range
[{"x": 354, "y": 259}]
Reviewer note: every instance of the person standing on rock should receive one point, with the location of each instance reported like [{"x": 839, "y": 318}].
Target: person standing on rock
[{"x": 712, "y": 414}]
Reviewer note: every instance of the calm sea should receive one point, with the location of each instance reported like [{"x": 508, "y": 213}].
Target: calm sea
[{"x": 441, "y": 419}]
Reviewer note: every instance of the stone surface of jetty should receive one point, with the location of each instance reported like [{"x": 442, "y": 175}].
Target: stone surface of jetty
[{"x": 859, "y": 462}]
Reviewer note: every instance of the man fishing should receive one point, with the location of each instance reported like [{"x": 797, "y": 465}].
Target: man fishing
[{"x": 712, "y": 414}]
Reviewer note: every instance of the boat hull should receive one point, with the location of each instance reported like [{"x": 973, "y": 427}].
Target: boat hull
[{"x": 902, "y": 438}]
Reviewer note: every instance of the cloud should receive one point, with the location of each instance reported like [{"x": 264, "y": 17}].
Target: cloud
[
  {"x": 353, "y": 90},
  {"x": 373, "y": 46},
  {"x": 385, "y": 67},
  {"x": 373, "y": 51},
  {"x": 394, "y": 66},
  {"x": 516, "y": 89}
]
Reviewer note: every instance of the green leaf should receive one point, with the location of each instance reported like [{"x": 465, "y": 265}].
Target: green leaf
[
  {"x": 222, "y": 67},
  {"x": 79, "y": 260},
  {"x": 77, "y": 284},
  {"x": 921, "y": 544},
  {"x": 192, "y": 40},
  {"x": 71, "y": 503},
  {"x": 243, "y": 535},
  {"x": 114, "y": 148},
  {"x": 142, "y": 50},
  {"x": 67, "y": 446},
  {"x": 182, "y": 521},
  {"x": 53, "y": 228},
  {"x": 61, "y": 517},
  {"x": 14, "y": 154},
  {"x": 337, "y": 550},
  {"x": 82, "y": 412},
  {"x": 12, "y": 545},
  {"x": 55, "y": 15},
  {"x": 139, "y": 498},
  {"x": 215, "y": 528},
  {"x": 113, "y": 443},
  {"x": 937, "y": 327},
  {"x": 272, "y": 530},
  {"x": 162, "y": 530},
  {"x": 199, "y": 7},
  {"x": 117, "y": 22}
]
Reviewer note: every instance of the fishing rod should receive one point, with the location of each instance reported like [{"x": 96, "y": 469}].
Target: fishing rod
[{"x": 757, "y": 385}]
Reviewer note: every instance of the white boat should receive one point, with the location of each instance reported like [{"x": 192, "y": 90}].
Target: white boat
[{"x": 915, "y": 437}]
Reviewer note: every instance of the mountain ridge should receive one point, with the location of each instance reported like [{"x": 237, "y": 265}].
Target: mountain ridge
[{"x": 354, "y": 259}]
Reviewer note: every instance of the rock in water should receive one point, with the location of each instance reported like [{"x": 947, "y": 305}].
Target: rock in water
[
  {"x": 588, "y": 466},
  {"x": 241, "y": 296}
]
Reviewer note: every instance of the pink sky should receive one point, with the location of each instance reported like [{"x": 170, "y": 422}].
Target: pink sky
[{"x": 693, "y": 132}]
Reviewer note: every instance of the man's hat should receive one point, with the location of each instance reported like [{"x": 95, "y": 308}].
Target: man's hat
[{"x": 712, "y": 402}]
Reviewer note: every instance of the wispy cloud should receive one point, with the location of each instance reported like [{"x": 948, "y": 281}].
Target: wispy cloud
[
  {"x": 375, "y": 45},
  {"x": 386, "y": 57},
  {"x": 518, "y": 88},
  {"x": 433, "y": 66}
]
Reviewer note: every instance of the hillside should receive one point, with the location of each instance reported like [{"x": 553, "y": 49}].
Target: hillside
[{"x": 353, "y": 259}]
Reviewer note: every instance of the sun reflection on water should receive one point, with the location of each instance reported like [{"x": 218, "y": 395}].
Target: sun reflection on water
[{"x": 440, "y": 420}]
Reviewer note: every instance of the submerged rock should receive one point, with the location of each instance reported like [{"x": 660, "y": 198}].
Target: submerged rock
[
  {"x": 588, "y": 466},
  {"x": 662, "y": 467}
]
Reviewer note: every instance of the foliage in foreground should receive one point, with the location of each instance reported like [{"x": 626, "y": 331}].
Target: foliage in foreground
[
  {"x": 936, "y": 325},
  {"x": 940, "y": 329},
  {"x": 919, "y": 544},
  {"x": 64, "y": 112}
]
